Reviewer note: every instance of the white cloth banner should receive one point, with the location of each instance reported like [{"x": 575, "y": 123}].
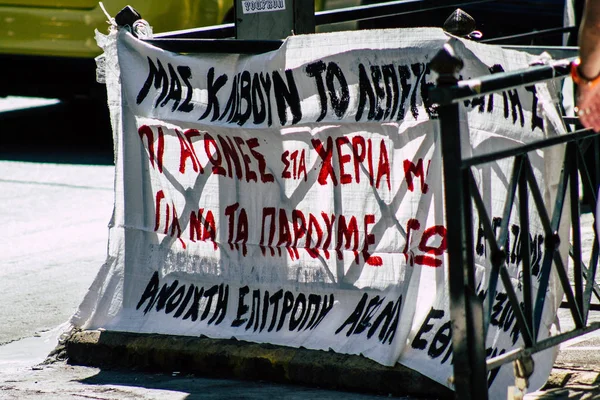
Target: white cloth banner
[{"x": 295, "y": 197}]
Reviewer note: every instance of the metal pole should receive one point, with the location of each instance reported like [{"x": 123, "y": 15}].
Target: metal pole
[
  {"x": 466, "y": 311},
  {"x": 273, "y": 19}
]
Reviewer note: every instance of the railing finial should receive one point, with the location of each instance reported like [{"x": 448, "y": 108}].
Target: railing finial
[
  {"x": 127, "y": 16},
  {"x": 459, "y": 23},
  {"x": 447, "y": 65}
]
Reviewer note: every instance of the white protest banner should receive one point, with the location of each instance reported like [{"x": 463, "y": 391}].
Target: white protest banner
[{"x": 295, "y": 197}]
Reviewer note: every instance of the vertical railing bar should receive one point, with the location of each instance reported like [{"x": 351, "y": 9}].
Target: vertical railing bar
[
  {"x": 474, "y": 303},
  {"x": 596, "y": 164},
  {"x": 469, "y": 243},
  {"x": 576, "y": 232},
  {"x": 593, "y": 265},
  {"x": 468, "y": 343},
  {"x": 526, "y": 253}
]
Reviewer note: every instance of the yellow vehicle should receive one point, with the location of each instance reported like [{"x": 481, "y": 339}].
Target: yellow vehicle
[
  {"x": 65, "y": 27},
  {"x": 47, "y": 48}
]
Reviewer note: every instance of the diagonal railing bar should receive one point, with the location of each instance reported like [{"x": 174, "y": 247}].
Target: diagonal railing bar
[
  {"x": 499, "y": 266},
  {"x": 553, "y": 241},
  {"x": 498, "y": 361},
  {"x": 586, "y": 178},
  {"x": 526, "y": 253},
  {"x": 503, "y": 236},
  {"x": 561, "y": 270},
  {"x": 508, "y": 206},
  {"x": 517, "y": 180},
  {"x": 575, "y": 230},
  {"x": 528, "y": 337},
  {"x": 584, "y": 144},
  {"x": 498, "y": 255},
  {"x": 590, "y": 284},
  {"x": 576, "y": 312},
  {"x": 590, "y": 279}
]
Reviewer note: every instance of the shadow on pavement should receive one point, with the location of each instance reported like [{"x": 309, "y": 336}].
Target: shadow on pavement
[
  {"x": 77, "y": 132},
  {"x": 212, "y": 388}
]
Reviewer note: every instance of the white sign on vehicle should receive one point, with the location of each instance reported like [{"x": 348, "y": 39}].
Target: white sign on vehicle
[{"x": 295, "y": 197}]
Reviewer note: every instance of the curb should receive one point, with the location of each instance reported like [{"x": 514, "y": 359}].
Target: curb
[{"x": 233, "y": 359}]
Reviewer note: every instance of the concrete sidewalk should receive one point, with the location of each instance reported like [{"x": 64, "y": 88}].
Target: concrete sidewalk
[
  {"x": 573, "y": 376},
  {"x": 25, "y": 375}
]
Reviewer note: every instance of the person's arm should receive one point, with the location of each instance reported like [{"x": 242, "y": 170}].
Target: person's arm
[
  {"x": 589, "y": 40},
  {"x": 588, "y": 100}
]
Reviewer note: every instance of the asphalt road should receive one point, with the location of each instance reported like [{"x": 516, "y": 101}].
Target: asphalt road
[{"x": 50, "y": 211}]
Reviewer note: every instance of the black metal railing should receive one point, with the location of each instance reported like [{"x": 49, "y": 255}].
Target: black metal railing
[
  {"x": 348, "y": 14},
  {"x": 531, "y": 35},
  {"x": 470, "y": 314},
  {"x": 220, "y": 38}
]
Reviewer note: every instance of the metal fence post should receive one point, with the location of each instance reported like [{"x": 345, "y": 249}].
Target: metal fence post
[
  {"x": 466, "y": 311},
  {"x": 273, "y": 19}
]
